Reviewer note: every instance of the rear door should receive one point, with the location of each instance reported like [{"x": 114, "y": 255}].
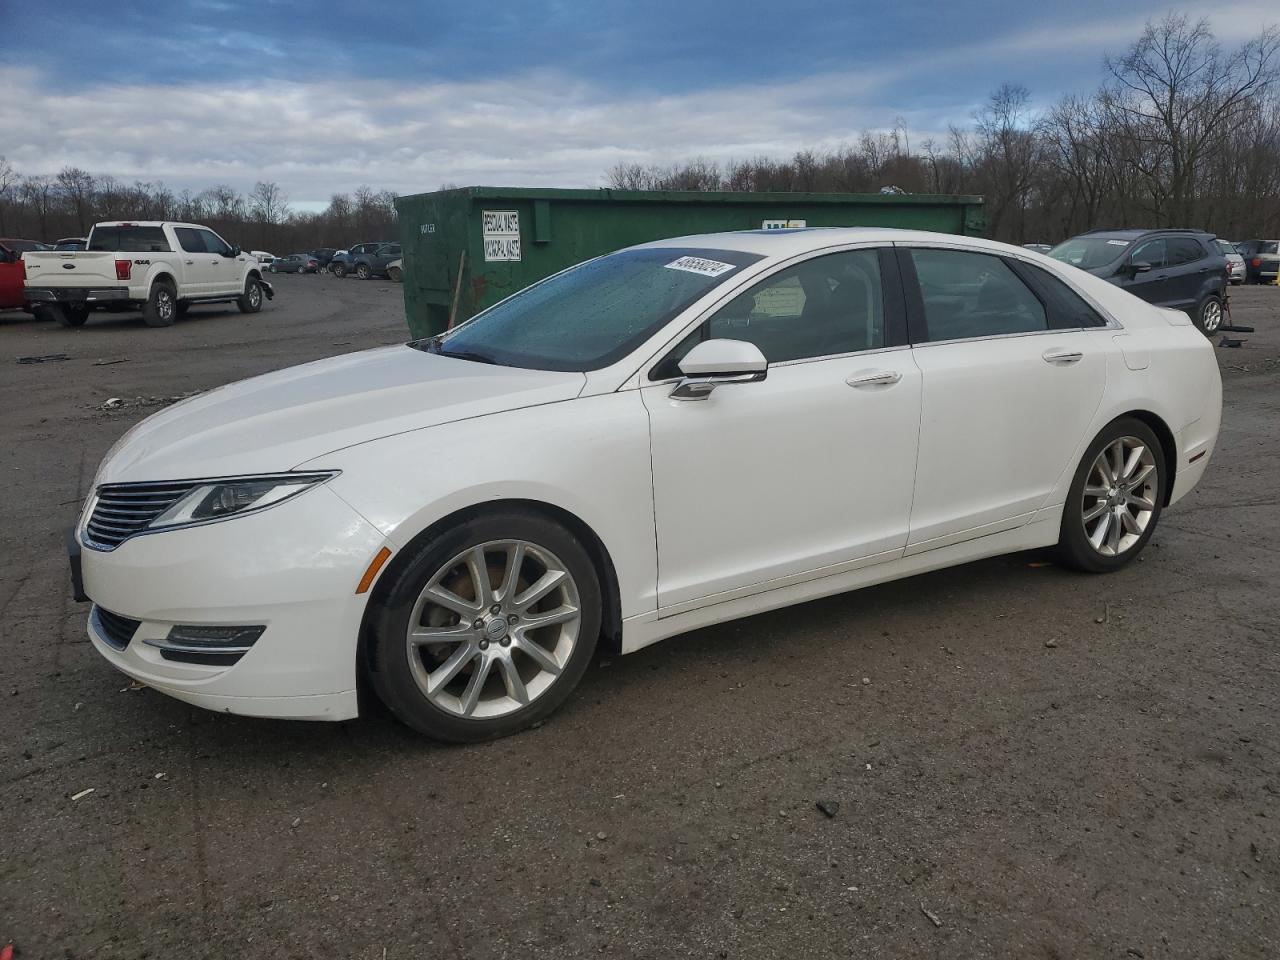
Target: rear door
[
  {"x": 1011, "y": 380},
  {"x": 11, "y": 276},
  {"x": 197, "y": 264},
  {"x": 1190, "y": 272}
]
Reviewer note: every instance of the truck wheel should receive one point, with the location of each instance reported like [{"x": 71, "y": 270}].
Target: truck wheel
[
  {"x": 66, "y": 314},
  {"x": 363, "y": 271},
  {"x": 251, "y": 302},
  {"x": 161, "y": 308},
  {"x": 339, "y": 270}
]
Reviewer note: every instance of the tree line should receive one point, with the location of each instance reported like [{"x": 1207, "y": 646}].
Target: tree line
[
  {"x": 67, "y": 204},
  {"x": 1181, "y": 133}
]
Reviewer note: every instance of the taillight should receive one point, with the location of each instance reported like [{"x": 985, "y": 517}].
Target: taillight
[
  {"x": 1230, "y": 267},
  {"x": 1256, "y": 261},
  {"x": 124, "y": 269}
]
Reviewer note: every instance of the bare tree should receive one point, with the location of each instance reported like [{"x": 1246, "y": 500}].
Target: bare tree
[{"x": 267, "y": 203}]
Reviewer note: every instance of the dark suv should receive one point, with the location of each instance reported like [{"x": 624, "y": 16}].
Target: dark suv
[{"x": 1180, "y": 269}]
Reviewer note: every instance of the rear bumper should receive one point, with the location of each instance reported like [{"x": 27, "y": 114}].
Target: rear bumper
[{"x": 75, "y": 294}]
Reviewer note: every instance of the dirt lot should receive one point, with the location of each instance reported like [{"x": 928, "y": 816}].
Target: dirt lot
[{"x": 1049, "y": 764}]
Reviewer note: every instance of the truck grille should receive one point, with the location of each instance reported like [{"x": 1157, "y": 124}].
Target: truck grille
[
  {"x": 114, "y": 629},
  {"x": 124, "y": 509}
]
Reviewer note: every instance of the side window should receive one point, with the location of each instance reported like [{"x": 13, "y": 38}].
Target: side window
[
  {"x": 190, "y": 240},
  {"x": 1183, "y": 250},
  {"x": 391, "y": 250},
  {"x": 825, "y": 306},
  {"x": 1067, "y": 309},
  {"x": 968, "y": 295},
  {"x": 1152, "y": 252},
  {"x": 214, "y": 243}
]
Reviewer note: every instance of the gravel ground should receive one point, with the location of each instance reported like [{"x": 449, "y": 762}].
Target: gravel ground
[{"x": 1027, "y": 762}]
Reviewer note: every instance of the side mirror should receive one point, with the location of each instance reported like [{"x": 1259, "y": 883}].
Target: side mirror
[
  {"x": 235, "y": 251},
  {"x": 715, "y": 362},
  {"x": 1139, "y": 266}
]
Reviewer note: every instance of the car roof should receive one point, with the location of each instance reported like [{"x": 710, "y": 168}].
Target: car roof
[
  {"x": 783, "y": 243},
  {"x": 1134, "y": 234}
]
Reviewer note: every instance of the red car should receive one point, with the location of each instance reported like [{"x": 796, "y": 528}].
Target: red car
[{"x": 12, "y": 271}]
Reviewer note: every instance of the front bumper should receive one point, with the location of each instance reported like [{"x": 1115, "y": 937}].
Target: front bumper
[
  {"x": 75, "y": 294},
  {"x": 293, "y": 568}
]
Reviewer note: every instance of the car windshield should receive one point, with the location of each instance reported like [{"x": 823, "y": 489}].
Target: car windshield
[
  {"x": 593, "y": 314},
  {"x": 1089, "y": 252},
  {"x": 1268, "y": 246}
]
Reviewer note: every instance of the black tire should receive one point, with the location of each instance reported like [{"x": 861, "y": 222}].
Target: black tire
[
  {"x": 65, "y": 314},
  {"x": 339, "y": 270},
  {"x": 363, "y": 271},
  {"x": 161, "y": 308},
  {"x": 390, "y": 671},
  {"x": 251, "y": 300},
  {"x": 1074, "y": 548},
  {"x": 394, "y": 275},
  {"x": 1208, "y": 316},
  {"x": 273, "y": 269}
]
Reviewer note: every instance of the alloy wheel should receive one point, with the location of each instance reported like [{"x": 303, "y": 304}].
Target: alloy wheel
[
  {"x": 164, "y": 304},
  {"x": 1211, "y": 319},
  {"x": 493, "y": 629},
  {"x": 1119, "y": 496},
  {"x": 255, "y": 295}
]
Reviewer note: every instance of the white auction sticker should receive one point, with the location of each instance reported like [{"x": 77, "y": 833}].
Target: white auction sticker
[
  {"x": 708, "y": 268},
  {"x": 1119, "y": 243}
]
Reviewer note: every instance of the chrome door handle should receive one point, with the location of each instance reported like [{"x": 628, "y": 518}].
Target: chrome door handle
[
  {"x": 1062, "y": 356},
  {"x": 874, "y": 378}
]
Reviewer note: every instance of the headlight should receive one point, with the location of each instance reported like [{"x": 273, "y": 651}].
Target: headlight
[{"x": 221, "y": 499}]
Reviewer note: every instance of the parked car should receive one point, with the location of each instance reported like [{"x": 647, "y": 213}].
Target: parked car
[
  {"x": 885, "y": 402},
  {"x": 324, "y": 255},
  {"x": 1235, "y": 261},
  {"x": 295, "y": 263},
  {"x": 159, "y": 267},
  {"x": 1180, "y": 269},
  {"x": 264, "y": 258},
  {"x": 395, "y": 271},
  {"x": 1038, "y": 247},
  {"x": 1261, "y": 260},
  {"x": 12, "y": 271},
  {"x": 344, "y": 261},
  {"x": 70, "y": 243}
]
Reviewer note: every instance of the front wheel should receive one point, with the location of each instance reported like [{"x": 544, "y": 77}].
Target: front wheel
[
  {"x": 339, "y": 270},
  {"x": 1209, "y": 315},
  {"x": 251, "y": 300},
  {"x": 1115, "y": 498},
  {"x": 363, "y": 271},
  {"x": 487, "y": 629}
]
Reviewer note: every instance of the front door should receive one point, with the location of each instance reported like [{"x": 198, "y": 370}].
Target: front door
[
  {"x": 1154, "y": 285},
  {"x": 804, "y": 473},
  {"x": 1006, "y": 398},
  {"x": 224, "y": 269},
  {"x": 197, "y": 263}
]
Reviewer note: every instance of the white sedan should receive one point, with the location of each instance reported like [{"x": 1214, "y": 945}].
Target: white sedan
[{"x": 673, "y": 435}]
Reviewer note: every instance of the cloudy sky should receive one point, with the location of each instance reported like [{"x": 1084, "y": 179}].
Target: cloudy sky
[{"x": 323, "y": 97}]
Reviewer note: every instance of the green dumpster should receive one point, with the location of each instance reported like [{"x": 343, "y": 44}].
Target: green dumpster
[{"x": 466, "y": 249}]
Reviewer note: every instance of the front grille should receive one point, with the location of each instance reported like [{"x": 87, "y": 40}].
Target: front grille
[
  {"x": 114, "y": 629},
  {"x": 124, "y": 509}
]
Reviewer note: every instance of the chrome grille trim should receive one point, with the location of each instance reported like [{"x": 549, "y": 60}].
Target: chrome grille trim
[{"x": 122, "y": 510}]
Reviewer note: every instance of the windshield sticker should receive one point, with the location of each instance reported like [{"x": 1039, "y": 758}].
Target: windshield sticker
[
  {"x": 1119, "y": 243},
  {"x": 708, "y": 268}
]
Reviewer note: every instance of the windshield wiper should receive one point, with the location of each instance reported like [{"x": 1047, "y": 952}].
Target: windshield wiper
[{"x": 466, "y": 355}]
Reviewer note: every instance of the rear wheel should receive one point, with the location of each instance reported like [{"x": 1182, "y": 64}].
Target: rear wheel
[
  {"x": 363, "y": 271},
  {"x": 251, "y": 300},
  {"x": 1115, "y": 498},
  {"x": 66, "y": 314},
  {"x": 395, "y": 275},
  {"x": 1209, "y": 315},
  {"x": 339, "y": 270},
  {"x": 161, "y": 308},
  {"x": 487, "y": 629}
]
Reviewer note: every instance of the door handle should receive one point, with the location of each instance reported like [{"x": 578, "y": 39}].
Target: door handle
[
  {"x": 1062, "y": 356},
  {"x": 874, "y": 378},
  {"x": 189, "y": 262}
]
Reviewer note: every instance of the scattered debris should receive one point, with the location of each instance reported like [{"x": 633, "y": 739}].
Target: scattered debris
[
  {"x": 297, "y": 822},
  {"x": 82, "y": 794},
  {"x": 119, "y": 403},
  {"x": 865, "y": 681},
  {"x": 602, "y": 835},
  {"x": 1231, "y": 342},
  {"x": 1051, "y": 643},
  {"x": 1106, "y": 614},
  {"x": 949, "y": 651},
  {"x": 1134, "y": 952},
  {"x": 829, "y": 807},
  {"x": 161, "y": 776},
  {"x": 734, "y": 836},
  {"x": 135, "y": 685},
  {"x": 933, "y": 917},
  {"x": 107, "y": 363},
  {"x": 76, "y": 708},
  {"x": 47, "y": 358},
  {"x": 595, "y": 882}
]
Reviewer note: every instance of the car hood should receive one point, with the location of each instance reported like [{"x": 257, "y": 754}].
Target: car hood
[{"x": 280, "y": 420}]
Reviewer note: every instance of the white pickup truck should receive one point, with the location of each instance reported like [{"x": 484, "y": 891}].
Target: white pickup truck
[{"x": 156, "y": 266}]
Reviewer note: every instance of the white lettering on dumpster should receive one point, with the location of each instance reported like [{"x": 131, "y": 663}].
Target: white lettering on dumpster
[{"x": 501, "y": 234}]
